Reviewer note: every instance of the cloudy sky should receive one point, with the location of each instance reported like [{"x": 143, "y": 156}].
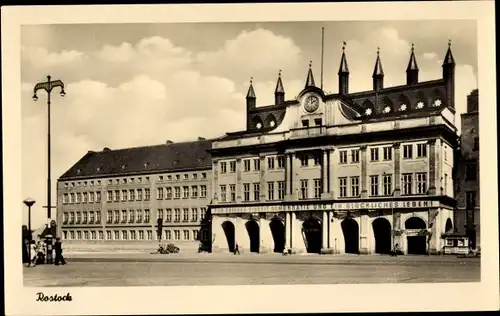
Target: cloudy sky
[{"x": 142, "y": 84}]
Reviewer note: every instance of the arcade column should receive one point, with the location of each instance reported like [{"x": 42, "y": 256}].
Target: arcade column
[
  {"x": 325, "y": 225},
  {"x": 436, "y": 230},
  {"x": 288, "y": 231},
  {"x": 364, "y": 233},
  {"x": 218, "y": 236},
  {"x": 266, "y": 236}
]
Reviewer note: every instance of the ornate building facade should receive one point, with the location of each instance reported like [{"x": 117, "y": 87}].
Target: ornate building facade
[
  {"x": 467, "y": 215},
  {"x": 118, "y": 195},
  {"x": 340, "y": 173}
]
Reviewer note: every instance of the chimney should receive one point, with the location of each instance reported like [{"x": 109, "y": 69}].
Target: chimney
[
  {"x": 106, "y": 149},
  {"x": 201, "y": 138},
  {"x": 169, "y": 142}
]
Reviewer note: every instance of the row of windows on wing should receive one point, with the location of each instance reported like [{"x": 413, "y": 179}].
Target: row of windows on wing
[
  {"x": 82, "y": 197},
  {"x": 84, "y": 217},
  {"x": 408, "y": 153},
  {"x": 174, "y": 215},
  {"x": 402, "y": 107},
  {"x": 275, "y": 192},
  {"x": 139, "y": 180},
  {"x": 252, "y": 164},
  {"x": 169, "y": 193},
  {"x": 187, "y": 235}
]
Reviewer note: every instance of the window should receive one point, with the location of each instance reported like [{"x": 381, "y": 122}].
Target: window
[
  {"x": 65, "y": 218},
  {"x": 124, "y": 235},
  {"x": 108, "y": 235},
  {"x": 98, "y": 196},
  {"x": 177, "y": 177},
  {"x": 246, "y": 191},
  {"x": 185, "y": 192},
  {"x": 124, "y": 216},
  {"x": 475, "y": 145},
  {"x": 146, "y": 195},
  {"x": 117, "y": 216},
  {"x": 318, "y": 122},
  {"x": 203, "y": 211},
  {"x": 343, "y": 187},
  {"x": 159, "y": 214},
  {"x": 445, "y": 154},
  {"x": 72, "y": 198},
  {"x": 203, "y": 191},
  {"x": 168, "y": 235},
  {"x": 177, "y": 234},
  {"x": 445, "y": 184},
  {"x": 232, "y": 192},
  {"x": 223, "y": 167},
  {"x": 354, "y": 156},
  {"x": 72, "y": 234},
  {"x": 139, "y": 216},
  {"x": 124, "y": 195},
  {"x": 150, "y": 235},
  {"x": 387, "y": 153},
  {"x": 169, "y": 193},
  {"x": 317, "y": 160},
  {"x": 117, "y": 195},
  {"x": 303, "y": 189},
  {"x": 160, "y": 178},
  {"x": 407, "y": 181},
  {"x": 256, "y": 164},
  {"x": 421, "y": 183},
  {"x": 147, "y": 216},
  {"x": 281, "y": 190},
  {"x": 85, "y": 197},
  {"x": 177, "y": 193},
  {"x": 159, "y": 193},
  {"x": 86, "y": 235},
  {"x": 203, "y": 175},
  {"x": 374, "y": 154},
  {"x": 270, "y": 163},
  {"x": 186, "y": 176},
  {"x": 177, "y": 215},
  {"x": 354, "y": 186},
  {"x": 65, "y": 233},
  {"x": 343, "y": 156},
  {"x": 470, "y": 171},
  {"x": 387, "y": 183},
  {"x": 281, "y": 162},
  {"x": 78, "y": 197},
  {"x": 317, "y": 188},
  {"x": 78, "y": 217},
  {"x": 373, "y": 185},
  {"x": 132, "y": 235},
  {"x": 65, "y": 198},
  {"x": 185, "y": 215},
  {"x": 246, "y": 164},
  {"x": 186, "y": 234},
  {"x": 195, "y": 176},
  {"x": 270, "y": 191},
  {"x": 93, "y": 235},
  {"x": 141, "y": 235},
  {"x": 92, "y": 197},
  {"x": 91, "y": 217},
  {"x": 232, "y": 166},
  {"x": 194, "y": 191},
  {"x": 421, "y": 150},
  {"x": 222, "y": 193},
  {"x": 305, "y": 123},
  {"x": 256, "y": 191},
  {"x": 168, "y": 215},
  {"x": 194, "y": 214},
  {"x": 79, "y": 235},
  {"x": 304, "y": 160},
  {"x": 139, "y": 194},
  {"x": 131, "y": 216},
  {"x": 407, "y": 151},
  {"x": 71, "y": 217},
  {"x": 195, "y": 235},
  {"x": 470, "y": 200},
  {"x": 98, "y": 217},
  {"x": 117, "y": 235}
]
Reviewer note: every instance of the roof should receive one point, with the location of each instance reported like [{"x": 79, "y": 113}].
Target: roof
[{"x": 147, "y": 159}]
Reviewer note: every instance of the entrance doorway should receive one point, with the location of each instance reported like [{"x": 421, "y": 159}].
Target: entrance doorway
[
  {"x": 448, "y": 228},
  {"x": 228, "y": 228},
  {"x": 417, "y": 245},
  {"x": 313, "y": 235},
  {"x": 278, "y": 232},
  {"x": 350, "y": 229},
  {"x": 382, "y": 233},
  {"x": 253, "y": 233}
]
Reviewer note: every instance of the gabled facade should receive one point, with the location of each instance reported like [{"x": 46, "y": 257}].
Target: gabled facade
[{"x": 343, "y": 173}]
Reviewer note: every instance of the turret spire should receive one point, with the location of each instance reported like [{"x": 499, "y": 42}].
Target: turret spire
[
  {"x": 279, "y": 92},
  {"x": 343, "y": 73},
  {"x": 310, "y": 77},
  {"x": 251, "y": 92},
  {"x": 412, "y": 69},
  {"x": 449, "y": 77},
  {"x": 448, "y": 59},
  {"x": 378, "y": 73},
  {"x": 343, "y": 61}
]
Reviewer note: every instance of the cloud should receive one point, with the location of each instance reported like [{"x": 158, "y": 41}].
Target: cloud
[{"x": 429, "y": 56}]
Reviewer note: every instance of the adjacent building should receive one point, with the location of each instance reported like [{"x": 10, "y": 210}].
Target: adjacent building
[
  {"x": 118, "y": 195},
  {"x": 467, "y": 215},
  {"x": 340, "y": 173}
]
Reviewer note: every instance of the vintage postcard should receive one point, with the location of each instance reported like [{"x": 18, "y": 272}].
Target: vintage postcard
[{"x": 173, "y": 159}]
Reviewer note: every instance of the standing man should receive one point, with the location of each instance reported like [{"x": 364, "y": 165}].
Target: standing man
[{"x": 58, "y": 250}]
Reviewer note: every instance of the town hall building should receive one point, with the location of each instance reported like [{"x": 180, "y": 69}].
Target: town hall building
[{"x": 352, "y": 172}]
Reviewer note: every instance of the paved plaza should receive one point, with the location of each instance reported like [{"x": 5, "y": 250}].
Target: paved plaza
[{"x": 249, "y": 269}]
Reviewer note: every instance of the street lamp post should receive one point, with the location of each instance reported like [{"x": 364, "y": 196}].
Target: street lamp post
[
  {"x": 48, "y": 86},
  {"x": 29, "y": 203}
]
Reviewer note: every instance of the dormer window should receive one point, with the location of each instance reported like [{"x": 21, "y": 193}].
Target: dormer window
[
  {"x": 420, "y": 105},
  {"x": 403, "y": 107},
  {"x": 437, "y": 103},
  {"x": 98, "y": 168},
  {"x": 387, "y": 109},
  {"x": 368, "y": 111},
  {"x": 272, "y": 123},
  {"x": 259, "y": 125},
  {"x": 123, "y": 166},
  {"x": 78, "y": 171}
]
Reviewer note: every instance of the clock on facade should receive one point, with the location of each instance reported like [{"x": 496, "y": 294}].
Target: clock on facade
[{"x": 311, "y": 104}]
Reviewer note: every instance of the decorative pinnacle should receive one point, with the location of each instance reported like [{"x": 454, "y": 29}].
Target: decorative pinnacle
[
  {"x": 344, "y": 44},
  {"x": 310, "y": 64},
  {"x": 412, "y": 47},
  {"x": 251, "y": 80},
  {"x": 279, "y": 73},
  {"x": 378, "y": 50},
  {"x": 449, "y": 42}
]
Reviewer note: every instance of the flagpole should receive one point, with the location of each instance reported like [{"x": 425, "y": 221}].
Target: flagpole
[{"x": 322, "y": 53}]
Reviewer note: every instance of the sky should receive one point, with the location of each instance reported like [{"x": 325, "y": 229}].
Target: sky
[{"x": 134, "y": 84}]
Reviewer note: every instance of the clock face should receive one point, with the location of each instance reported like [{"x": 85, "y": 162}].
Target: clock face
[{"x": 311, "y": 104}]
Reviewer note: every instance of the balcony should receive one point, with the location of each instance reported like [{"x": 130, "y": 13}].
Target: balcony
[{"x": 306, "y": 132}]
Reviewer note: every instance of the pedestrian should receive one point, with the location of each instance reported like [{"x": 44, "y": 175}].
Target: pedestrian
[
  {"x": 236, "y": 249},
  {"x": 26, "y": 258},
  {"x": 58, "y": 250}
]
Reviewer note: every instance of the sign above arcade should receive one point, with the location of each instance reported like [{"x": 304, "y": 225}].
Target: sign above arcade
[{"x": 336, "y": 206}]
